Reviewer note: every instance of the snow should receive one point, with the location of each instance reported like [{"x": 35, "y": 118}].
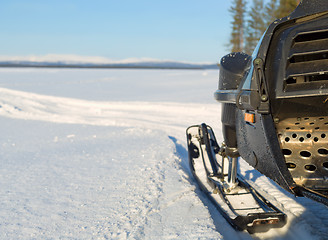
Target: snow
[{"x": 101, "y": 154}]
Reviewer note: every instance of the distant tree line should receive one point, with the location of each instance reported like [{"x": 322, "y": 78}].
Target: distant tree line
[{"x": 252, "y": 17}]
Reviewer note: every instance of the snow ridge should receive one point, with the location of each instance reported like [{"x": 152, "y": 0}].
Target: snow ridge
[
  {"x": 169, "y": 116},
  {"x": 63, "y": 161}
]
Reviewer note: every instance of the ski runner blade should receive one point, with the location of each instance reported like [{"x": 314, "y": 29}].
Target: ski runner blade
[{"x": 241, "y": 205}]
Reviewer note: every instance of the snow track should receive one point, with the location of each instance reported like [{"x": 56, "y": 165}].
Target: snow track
[{"x": 84, "y": 169}]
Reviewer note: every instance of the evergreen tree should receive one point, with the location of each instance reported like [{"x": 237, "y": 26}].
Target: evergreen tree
[
  {"x": 270, "y": 12},
  {"x": 286, "y": 7},
  {"x": 256, "y": 25},
  {"x": 238, "y": 10},
  {"x": 246, "y": 34}
]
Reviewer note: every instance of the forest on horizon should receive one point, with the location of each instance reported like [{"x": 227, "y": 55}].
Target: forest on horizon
[{"x": 252, "y": 17}]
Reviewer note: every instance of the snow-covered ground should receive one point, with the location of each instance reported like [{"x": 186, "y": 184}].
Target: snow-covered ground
[{"x": 101, "y": 154}]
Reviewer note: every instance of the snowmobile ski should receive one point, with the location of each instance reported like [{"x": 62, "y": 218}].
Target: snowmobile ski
[{"x": 239, "y": 203}]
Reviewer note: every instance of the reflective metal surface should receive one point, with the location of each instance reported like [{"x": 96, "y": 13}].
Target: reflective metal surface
[{"x": 304, "y": 143}]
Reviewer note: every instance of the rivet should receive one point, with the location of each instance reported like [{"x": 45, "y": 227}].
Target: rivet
[{"x": 264, "y": 98}]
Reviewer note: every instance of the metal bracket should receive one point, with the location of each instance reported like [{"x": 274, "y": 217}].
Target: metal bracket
[{"x": 264, "y": 105}]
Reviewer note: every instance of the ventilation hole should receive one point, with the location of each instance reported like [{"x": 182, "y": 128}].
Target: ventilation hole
[
  {"x": 306, "y": 119},
  {"x": 317, "y": 128},
  {"x": 287, "y": 128},
  {"x": 323, "y": 151},
  {"x": 287, "y": 152},
  {"x": 301, "y": 139},
  {"x": 291, "y": 81},
  {"x": 316, "y": 139},
  {"x": 305, "y": 154},
  {"x": 310, "y": 168},
  {"x": 302, "y": 128},
  {"x": 326, "y": 123},
  {"x": 325, "y": 165},
  {"x": 323, "y": 135},
  {"x": 291, "y": 165},
  {"x": 294, "y": 135},
  {"x": 321, "y": 118},
  {"x": 308, "y": 135},
  {"x": 306, "y": 37},
  {"x": 297, "y": 123},
  {"x": 287, "y": 139},
  {"x": 312, "y": 123}
]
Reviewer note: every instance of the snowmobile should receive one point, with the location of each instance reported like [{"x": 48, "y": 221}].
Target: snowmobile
[{"x": 274, "y": 115}]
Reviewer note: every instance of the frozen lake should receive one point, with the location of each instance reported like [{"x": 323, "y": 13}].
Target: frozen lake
[{"x": 195, "y": 86}]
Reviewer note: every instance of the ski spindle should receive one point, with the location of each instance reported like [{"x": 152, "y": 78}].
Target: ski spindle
[{"x": 232, "y": 174}]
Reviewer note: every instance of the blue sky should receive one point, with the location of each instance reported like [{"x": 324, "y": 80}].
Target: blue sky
[{"x": 184, "y": 30}]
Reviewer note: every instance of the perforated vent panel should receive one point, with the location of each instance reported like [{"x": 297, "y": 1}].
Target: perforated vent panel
[{"x": 304, "y": 143}]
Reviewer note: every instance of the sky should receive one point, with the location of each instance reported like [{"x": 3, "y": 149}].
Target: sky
[{"x": 181, "y": 30}]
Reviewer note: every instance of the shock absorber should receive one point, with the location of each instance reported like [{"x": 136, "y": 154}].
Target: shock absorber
[
  {"x": 228, "y": 120},
  {"x": 232, "y": 69}
]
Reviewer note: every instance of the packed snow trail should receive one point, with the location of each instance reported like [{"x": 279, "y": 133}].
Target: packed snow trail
[
  {"x": 86, "y": 169},
  {"x": 104, "y": 172},
  {"x": 62, "y": 181}
]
